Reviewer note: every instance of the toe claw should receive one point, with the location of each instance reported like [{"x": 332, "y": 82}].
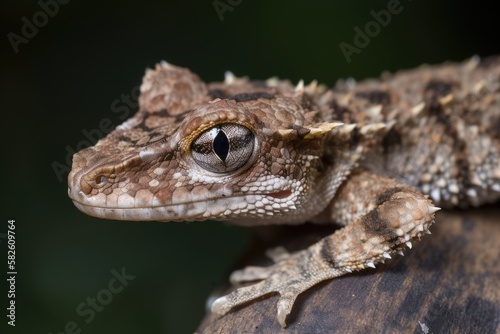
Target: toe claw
[
  {"x": 281, "y": 315},
  {"x": 433, "y": 209},
  {"x": 284, "y": 309},
  {"x": 218, "y": 306}
]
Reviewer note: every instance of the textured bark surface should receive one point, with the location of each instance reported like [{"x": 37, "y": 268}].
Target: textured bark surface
[{"x": 448, "y": 283}]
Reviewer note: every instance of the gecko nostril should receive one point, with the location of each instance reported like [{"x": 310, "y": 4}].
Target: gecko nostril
[
  {"x": 89, "y": 182},
  {"x": 100, "y": 180}
]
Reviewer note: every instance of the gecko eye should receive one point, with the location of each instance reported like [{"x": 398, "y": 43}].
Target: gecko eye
[{"x": 223, "y": 148}]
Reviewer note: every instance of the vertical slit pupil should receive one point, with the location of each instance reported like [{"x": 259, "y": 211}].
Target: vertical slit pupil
[{"x": 221, "y": 145}]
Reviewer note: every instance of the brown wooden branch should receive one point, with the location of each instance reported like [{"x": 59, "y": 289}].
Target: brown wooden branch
[{"x": 448, "y": 283}]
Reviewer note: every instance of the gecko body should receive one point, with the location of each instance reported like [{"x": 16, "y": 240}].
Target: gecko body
[{"x": 376, "y": 157}]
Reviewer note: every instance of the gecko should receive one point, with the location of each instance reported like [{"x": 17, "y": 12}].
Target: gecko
[{"x": 377, "y": 158}]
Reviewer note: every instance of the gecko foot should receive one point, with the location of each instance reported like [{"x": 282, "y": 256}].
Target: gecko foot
[
  {"x": 288, "y": 277},
  {"x": 400, "y": 217}
]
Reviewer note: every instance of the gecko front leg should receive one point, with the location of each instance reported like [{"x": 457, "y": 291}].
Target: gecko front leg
[{"x": 382, "y": 217}]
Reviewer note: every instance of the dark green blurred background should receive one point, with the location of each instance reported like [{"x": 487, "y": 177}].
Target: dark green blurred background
[{"x": 66, "y": 79}]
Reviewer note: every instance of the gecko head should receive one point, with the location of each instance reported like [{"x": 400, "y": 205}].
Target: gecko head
[{"x": 248, "y": 157}]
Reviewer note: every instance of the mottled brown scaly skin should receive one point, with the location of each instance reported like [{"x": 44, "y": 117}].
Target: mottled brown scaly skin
[{"x": 369, "y": 156}]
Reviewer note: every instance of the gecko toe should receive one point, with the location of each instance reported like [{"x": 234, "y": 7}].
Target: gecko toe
[
  {"x": 218, "y": 306},
  {"x": 248, "y": 274}
]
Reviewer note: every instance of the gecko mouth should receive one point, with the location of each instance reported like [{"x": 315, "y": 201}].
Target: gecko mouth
[
  {"x": 223, "y": 208},
  {"x": 280, "y": 194}
]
